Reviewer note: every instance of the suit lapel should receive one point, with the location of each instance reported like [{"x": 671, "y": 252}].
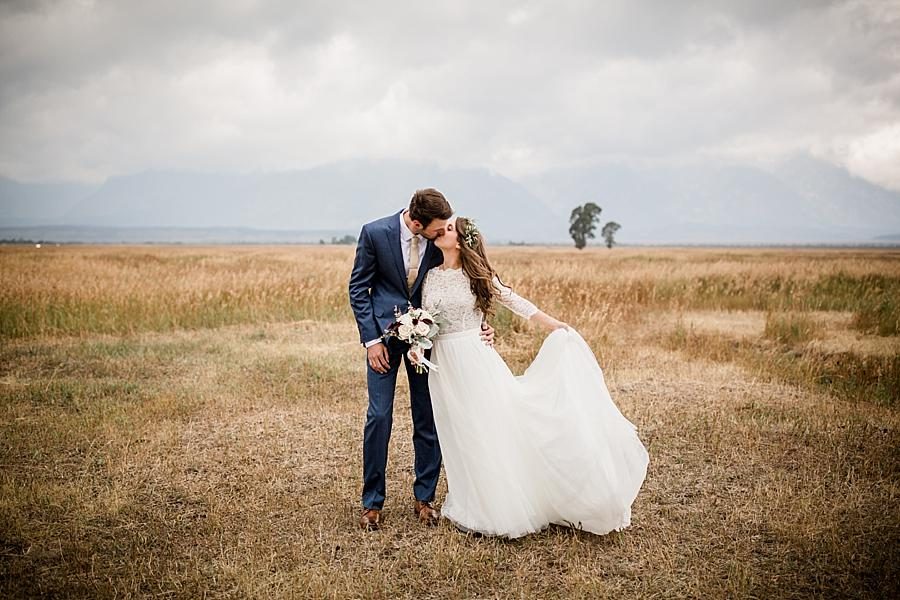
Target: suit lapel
[{"x": 393, "y": 232}]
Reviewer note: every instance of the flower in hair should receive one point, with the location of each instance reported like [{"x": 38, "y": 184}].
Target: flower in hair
[{"x": 470, "y": 234}]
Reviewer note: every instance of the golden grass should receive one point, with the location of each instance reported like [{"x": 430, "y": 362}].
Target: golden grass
[{"x": 187, "y": 422}]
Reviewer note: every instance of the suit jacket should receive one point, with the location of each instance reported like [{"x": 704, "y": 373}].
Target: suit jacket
[{"x": 378, "y": 279}]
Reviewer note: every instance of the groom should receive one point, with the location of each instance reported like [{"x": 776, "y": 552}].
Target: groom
[{"x": 393, "y": 255}]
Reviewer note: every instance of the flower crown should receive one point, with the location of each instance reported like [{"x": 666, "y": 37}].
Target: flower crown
[{"x": 470, "y": 234}]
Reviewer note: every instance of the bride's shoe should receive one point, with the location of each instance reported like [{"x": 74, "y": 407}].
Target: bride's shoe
[{"x": 426, "y": 513}]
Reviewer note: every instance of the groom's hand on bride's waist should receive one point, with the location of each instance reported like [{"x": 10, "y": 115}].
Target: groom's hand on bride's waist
[
  {"x": 378, "y": 357},
  {"x": 487, "y": 334}
]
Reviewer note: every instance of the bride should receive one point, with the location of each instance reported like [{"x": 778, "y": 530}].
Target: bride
[{"x": 522, "y": 452}]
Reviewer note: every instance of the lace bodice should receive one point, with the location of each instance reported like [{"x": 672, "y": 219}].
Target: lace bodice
[{"x": 448, "y": 292}]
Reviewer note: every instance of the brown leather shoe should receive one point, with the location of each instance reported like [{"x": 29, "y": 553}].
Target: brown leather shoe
[
  {"x": 370, "y": 519},
  {"x": 426, "y": 513}
]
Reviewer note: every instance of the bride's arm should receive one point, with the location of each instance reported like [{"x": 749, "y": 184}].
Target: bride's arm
[
  {"x": 524, "y": 308},
  {"x": 545, "y": 320}
]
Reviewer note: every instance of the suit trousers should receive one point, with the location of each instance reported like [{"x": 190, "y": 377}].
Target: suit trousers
[{"x": 377, "y": 433}]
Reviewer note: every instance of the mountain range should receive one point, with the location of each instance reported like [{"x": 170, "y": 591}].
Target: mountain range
[{"x": 798, "y": 201}]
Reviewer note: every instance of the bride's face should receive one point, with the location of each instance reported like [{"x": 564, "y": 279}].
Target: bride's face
[{"x": 449, "y": 239}]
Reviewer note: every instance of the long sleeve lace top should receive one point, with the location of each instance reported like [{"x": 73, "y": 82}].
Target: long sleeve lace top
[{"x": 447, "y": 291}]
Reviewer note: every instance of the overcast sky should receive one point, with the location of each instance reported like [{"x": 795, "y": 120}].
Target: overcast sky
[{"x": 92, "y": 89}]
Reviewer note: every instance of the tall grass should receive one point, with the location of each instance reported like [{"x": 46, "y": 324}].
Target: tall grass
[
  {"x": 791, "y": 328},
  {"x": 52, "y": 291},
  {"x": 845, "y": 375},
  {"x": 128, "y": 289},
  {"x": 879, "y": 314}
]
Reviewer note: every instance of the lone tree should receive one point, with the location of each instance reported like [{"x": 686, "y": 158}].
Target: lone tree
[
  {"x": 608, "y": 232},
  {"x": 582, "y": 223}
]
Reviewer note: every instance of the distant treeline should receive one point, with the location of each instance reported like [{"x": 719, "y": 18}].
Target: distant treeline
[
  {"x": 347, "y": 240},
  {"x": 29, "y": 242}
]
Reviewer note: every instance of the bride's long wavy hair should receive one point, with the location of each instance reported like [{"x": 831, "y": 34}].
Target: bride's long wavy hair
[{"x": 476, "y": 266}]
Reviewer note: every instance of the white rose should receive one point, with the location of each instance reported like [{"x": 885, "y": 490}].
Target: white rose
[
  {"x": 406, "y": 319},
  {"x": 404, "y": 330},
  {"x": 422, "y": 328}
]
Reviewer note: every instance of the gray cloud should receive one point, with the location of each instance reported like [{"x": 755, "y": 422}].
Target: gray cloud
[{"x": 92, "y": 89}]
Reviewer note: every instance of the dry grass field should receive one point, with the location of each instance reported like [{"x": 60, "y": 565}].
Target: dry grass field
[{"x": 187, "y": 422}]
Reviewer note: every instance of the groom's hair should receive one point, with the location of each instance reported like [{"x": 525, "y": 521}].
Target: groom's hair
[{"x": 427, "y": 205}]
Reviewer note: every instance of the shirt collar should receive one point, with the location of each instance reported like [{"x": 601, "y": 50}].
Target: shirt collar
[{"x": 405, "y": 233}]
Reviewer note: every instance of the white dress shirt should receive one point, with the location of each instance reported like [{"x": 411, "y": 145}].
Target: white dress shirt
[{"x": 406, "y": 237}]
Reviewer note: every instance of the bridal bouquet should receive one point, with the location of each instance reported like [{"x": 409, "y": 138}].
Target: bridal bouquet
[{"x": 416, "y": 327}]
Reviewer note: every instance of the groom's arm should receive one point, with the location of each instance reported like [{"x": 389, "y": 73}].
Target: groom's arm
[{"x": 364, "y": 269}]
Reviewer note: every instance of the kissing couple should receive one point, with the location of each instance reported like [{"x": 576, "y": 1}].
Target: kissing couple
[{"x": 520, "y": 452}]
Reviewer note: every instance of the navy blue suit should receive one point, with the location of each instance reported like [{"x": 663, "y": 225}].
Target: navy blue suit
[{"x": 377, "y": 285}]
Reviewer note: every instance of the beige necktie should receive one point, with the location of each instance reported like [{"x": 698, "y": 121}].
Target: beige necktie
[{"x": 413, "y": 262}]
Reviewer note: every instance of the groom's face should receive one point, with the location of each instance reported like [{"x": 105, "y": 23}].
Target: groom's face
[{"x": 435, "y": 229}]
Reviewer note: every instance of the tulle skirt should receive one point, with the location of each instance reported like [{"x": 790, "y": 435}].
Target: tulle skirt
[{"x": 522, "y": 452}]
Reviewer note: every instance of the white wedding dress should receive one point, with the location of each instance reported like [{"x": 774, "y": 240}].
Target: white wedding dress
[{"x": 522, "y": 452}]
